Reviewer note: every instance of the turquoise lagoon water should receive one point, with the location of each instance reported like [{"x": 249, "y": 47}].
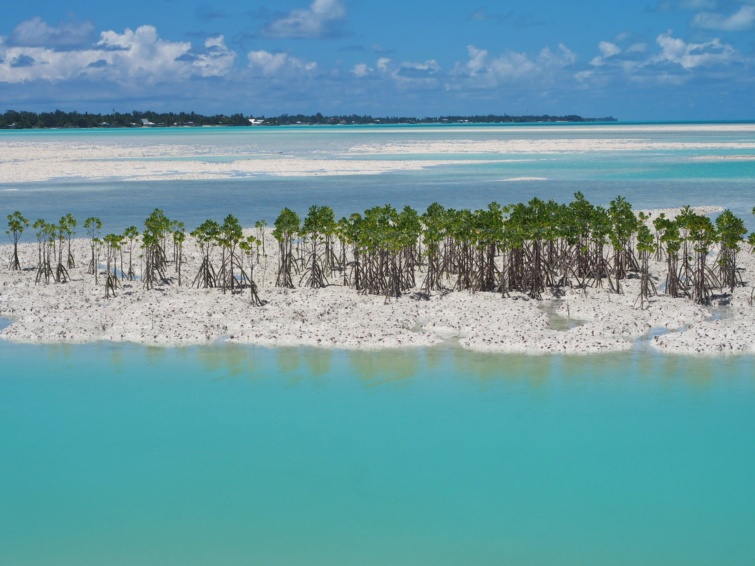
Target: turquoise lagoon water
[
  {"x": 117, "y": 454},
  {"x": 648, "y": 178},
  {"x": 120, "y": 454}
]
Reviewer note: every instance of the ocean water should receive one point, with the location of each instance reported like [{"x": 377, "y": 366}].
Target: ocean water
[{"x": 121, "y": 454}]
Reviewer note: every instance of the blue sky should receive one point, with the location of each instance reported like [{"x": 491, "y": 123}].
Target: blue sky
[{"x": 638, "y": 60}]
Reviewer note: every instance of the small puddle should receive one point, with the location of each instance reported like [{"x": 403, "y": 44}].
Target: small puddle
[{"x": 555, "y": 320}]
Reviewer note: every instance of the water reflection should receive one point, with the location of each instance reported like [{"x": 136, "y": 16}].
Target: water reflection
[
  {"x": 641, "y": 366},
  {"x": 381, "y": 367}
]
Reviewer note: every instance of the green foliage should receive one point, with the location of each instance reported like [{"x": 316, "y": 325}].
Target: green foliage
[
  {"x": 17, "y": 223},
  {"x": 645, "y": 240},
  {"x": 93, "y": 225},
  {"x": 731, "y": 230},
  {"x": 286, "y": 225}
]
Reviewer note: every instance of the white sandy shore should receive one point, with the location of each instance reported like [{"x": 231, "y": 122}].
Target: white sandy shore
[
  {"x": 34, "y": 161},
  {"x": 578, "y": 323}
]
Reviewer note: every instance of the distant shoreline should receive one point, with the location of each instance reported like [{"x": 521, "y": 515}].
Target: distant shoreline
[{"x": 19, "y": 120}]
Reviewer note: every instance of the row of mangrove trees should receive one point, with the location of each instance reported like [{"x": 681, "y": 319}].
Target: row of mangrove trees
[{"x": 528, "y": 248}]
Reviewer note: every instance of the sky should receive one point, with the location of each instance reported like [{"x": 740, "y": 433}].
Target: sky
[{"x": 635, "y": 60}]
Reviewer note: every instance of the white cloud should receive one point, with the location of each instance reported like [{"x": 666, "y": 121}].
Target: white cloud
[
  {"x": 694, "y": 55},
  {"x": 278, "y": 64},
  {"x": 361, "y": 70},
  {"x": 607, "y": 50},
  {"x": 121, "y": 57},
  {"x": 742, "y": 19},
  {"x": 142, "y": 54},
  {"x": 382, "y": 64},
  {"x": 673, "y": 62},
  {"x": 38, "y": 33},
  {"x": 315, "y": 21},
  {"x": 481, "y": 71},
  {"x": 477, "y": 57},
  {"x": 217, "y": 60},
  {"x": 637, "y": 48}
]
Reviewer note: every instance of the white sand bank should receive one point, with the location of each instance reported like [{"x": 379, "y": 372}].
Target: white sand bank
[
  {"x": 579, "y": 322},
  {"x": 36, "y": 162}
]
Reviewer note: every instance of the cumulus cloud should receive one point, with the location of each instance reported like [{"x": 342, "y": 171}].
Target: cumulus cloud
[
  {"x": 217, "y": 60},
  {"x": 38, "y": 33},
  {"x": 482, "y": 71},
  {"x": 674, "y": 61},
  {"x": 742, "y": 19},
  {"x": 134, "y": 54},
  {"x": 361, "y": 70},
  {"x": 607, "y": 50},
  {"x": 318, "y": 20},
  {"x": 694, "y": 55},
  {"x": 278, "y": 64}
]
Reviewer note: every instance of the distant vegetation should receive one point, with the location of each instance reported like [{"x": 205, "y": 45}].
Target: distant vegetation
[{"x": 59, "y": 119}]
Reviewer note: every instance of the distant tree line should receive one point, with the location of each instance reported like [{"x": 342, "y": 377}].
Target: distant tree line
[
  {"x": 59, "y": 119},
  {"x": 13, "y": 119},
  {"x": 319, "y": 119}
]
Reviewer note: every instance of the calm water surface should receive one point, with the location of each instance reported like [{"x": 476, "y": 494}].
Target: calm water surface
[{"x": 120, "y": 454}]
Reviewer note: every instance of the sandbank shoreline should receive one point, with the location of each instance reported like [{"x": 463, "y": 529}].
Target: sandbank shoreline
[{"x": 578, "y": 321}]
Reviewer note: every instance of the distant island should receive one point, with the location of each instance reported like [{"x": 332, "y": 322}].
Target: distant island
[{"x": 13, "y": 119}]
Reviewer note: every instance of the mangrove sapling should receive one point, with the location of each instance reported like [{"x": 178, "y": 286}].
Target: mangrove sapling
[
  {"x": 659, "y": 224},
  {"x": 645, "y": 247},
  {"x": 581, "y": 214},
  {"x": 326, "y": 221},
  {"x": 286, "y": 229},
  {"x": 205, "y": 235},
  {"x": 112, "y": 246},
  {"x": 623, "y": 225},
  {"x": 601, "y": 228},
  {"x": 17, "y": 223},
  {"x": 157, "y": 226},
  {"x": 313, "y": 234},
  {"x": 63, "y": 233},
  {"x": 93, "y": 225},
  {"x": 702, "y": 235},
  {"x": 408, "y": 227},
  {"x": 350, "y": 228},
  {"x": 131, "y": 234},
  {"x": 39, "y": 232},
  {"x": 684, "y": 221},
  {"x": 229, "y": 236},
  {"x": 44, "y": 271},
  {"x": 248, "y": 247},
  {"x": 433, "y": 235},
  {"x": 671, "y": 241},
  {"x": 68, "y": 224},
  {"x": 731, "y": 230},
  {"x": 179, "y": 236},
  {"x": 261, "y": 226}
]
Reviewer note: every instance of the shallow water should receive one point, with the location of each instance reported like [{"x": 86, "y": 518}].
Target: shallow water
[
  {"x": 656, "y": 176},
  {"x": 120, "y": 454}
]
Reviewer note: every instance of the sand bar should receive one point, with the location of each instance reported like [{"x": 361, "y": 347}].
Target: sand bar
[{"x": 579, "y": 322}]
